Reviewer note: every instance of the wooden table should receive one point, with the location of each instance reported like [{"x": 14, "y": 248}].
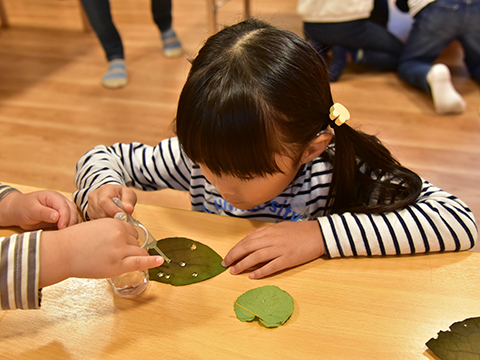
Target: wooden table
[{"x": 364, "y": 308}]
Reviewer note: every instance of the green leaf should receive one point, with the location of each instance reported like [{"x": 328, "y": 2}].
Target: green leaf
[
  {"x": 270, "y": 304},
  {"x": 462, "y": 342},
  {"x": 191, "y": 262}
]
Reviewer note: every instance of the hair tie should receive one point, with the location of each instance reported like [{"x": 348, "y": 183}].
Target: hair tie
[{"x": 339, "y": 114}]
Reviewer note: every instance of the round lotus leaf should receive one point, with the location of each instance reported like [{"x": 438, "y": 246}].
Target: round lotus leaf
[{"x": 271, "y": 305}]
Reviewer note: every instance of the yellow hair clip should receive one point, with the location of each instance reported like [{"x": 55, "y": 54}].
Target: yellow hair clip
[{"x": 339, "y": 114}]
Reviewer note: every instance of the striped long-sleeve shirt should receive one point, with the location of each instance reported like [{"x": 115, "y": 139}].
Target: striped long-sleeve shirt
[
  {"x": 437, "y": 221},
  {"x": 19, "y": 268}
]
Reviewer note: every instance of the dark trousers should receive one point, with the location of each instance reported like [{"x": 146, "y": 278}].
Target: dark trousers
[
  {"x": 381, "y": 49},
  {"x": 434, "y": 28},
  {"x": 100, "y": 16}
]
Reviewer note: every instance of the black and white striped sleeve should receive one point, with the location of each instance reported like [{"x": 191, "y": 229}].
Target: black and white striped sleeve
[
  {"x": 19, "y": 271},
  {"x": 137, "y": 165},
  {"x": 437, "y": 221},
  {"x": 5, "y": 190}
]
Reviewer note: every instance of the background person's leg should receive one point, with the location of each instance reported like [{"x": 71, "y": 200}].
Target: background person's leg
[
  {"x": 162, "y": 15},
  {"x": 100, "y": 17},
  {"x": 427, "y": 39}
]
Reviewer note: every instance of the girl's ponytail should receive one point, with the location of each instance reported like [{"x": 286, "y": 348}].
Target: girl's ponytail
[{"x": 366, "y": 177}]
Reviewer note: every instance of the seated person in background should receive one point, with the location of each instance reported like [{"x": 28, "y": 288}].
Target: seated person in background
[
  {"x": 99, "y": 14},
  {"x": 259, "y": 137},
  {"x": 436, "y": 23},
  {"x": 354, "y": 30},
  {"x": 32, "y": 260}
]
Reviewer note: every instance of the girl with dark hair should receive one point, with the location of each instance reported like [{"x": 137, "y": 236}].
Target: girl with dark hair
[{"x": 259, "y": 137}]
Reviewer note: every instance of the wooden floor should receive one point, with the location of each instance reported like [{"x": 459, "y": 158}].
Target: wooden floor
[{"x": 53, "y": 108}]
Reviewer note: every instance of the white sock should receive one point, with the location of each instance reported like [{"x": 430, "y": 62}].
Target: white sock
[{"x": 445, "y": 98}]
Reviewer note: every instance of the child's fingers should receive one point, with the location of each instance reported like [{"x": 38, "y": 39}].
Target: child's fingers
[
  {"x": 106, "y": 193},
  {"x": 129, "y": 199},
  {"x": 135, "y": 263},
  {"x": 268, "y": 269},
  {"x": 44, "y": 214},
  {"x": 260, "y": 256},
  {"x": 238, "y": 252},
  {"x": 109, "y": 207},
  {"x": 56, "y": 208},
  {"x": 131, "y": 230},
  {"x": 100, "y": 204},
  {"x": 124, "y": 232},
  {"x": 248, "y": 245},
  {"x": 68, "y": 215}
]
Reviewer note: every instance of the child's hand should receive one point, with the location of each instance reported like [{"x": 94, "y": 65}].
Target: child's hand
[
  {"x": 95, "y": 249},
  {"x": 276, "y": 247},
  {"x": 44, "y": 209},
  {"x": 100, "y": 202}
]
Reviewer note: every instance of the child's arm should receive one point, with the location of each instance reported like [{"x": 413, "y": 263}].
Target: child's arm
[
  {"x": 133, "y": 165},
  {"x": 97, "y": 249},
  {"x": 36, "y": 210},
  {"x": 20, "y": 279},
  {"x": 437, "y": 221}
]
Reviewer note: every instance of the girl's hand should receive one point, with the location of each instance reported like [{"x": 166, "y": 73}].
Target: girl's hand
[
  {"x": 276, "y": 247},
  {"x": 44, "y": 209},
  {"x": 95, "y": 249},
  {"x": 100, "y": 204}
]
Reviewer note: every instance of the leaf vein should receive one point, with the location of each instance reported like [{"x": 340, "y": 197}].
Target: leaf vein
[{"x": 244, "y": 308}]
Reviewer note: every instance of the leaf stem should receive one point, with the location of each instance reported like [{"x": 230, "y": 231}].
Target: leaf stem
[{"x": 244, "y": 308}]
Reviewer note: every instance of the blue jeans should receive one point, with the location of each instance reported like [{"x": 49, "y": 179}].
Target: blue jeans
[
  {"x": 99, "y": 14},
  {"x": 433, "y": 29},
  {"x": 381, "y": 49}
]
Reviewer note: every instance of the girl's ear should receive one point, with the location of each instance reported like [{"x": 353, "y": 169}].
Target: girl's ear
[{"x": 316, "y": 146}]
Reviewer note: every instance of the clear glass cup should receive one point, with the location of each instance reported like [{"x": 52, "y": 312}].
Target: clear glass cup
[{"x": 133, "y": 283}]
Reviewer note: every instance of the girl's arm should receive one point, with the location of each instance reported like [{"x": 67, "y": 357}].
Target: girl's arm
[
  {"x": 437, "y": 221},
  {"x": 137, "y": 165}
]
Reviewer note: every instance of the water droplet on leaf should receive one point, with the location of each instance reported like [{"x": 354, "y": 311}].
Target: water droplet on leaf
[
  {"x": 194, "y": 274},
  {"x": 182, "y": 263},
  {"x": 160, "y": 274},
  {"x": 193, "y": 247}
]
